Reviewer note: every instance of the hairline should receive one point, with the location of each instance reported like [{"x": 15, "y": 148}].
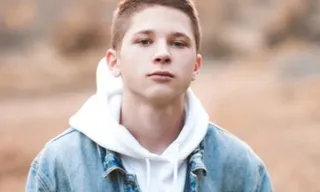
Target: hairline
[{"x": 127, "y": 20}]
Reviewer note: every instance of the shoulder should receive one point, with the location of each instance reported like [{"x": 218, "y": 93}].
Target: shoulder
[
  {"x": 70, "y": 139},
  {"x": 69, "y": 143},
  {"x": 63, "y": 158},
  {"x": 217, "y": 137},
  {"x": 232, "y": 162},
  {"x": 65, "y": 152},
  {"x": 230, "y": 150}
]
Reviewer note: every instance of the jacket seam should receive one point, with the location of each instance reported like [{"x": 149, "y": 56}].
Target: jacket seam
[
  {"x": 42, "y": 179},
  {"x": 262, "y": 175},
  {"x": 62, "y": 135}
]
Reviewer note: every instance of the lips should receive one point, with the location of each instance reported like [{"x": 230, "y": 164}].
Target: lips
[{"x": 162, "y": 74}]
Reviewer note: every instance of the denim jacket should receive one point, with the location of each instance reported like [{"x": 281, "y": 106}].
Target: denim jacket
[{"x": 73, "y": 162}]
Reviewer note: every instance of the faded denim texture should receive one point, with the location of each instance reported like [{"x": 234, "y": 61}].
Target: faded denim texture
[{"x": 73, "y": 162}]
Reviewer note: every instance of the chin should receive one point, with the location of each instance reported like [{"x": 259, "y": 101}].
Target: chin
[{"x": 161, "y": 95}]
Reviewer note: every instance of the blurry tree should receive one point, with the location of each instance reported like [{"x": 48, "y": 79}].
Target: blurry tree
[{"x": 230, "y": 27}]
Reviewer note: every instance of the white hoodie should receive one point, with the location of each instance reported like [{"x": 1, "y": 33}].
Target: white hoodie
[{"x": 99, "y": 118}]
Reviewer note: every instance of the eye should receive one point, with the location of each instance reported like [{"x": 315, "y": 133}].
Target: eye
[
  {"x": 144, "y": 42},
  {"x": 179, "y": 44}
]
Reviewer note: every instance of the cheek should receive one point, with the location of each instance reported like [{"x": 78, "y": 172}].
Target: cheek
[
  {"x": 136, "y": 59},
  {"x": 131, "y": 66},
  {"x": 187, "y": 60}
]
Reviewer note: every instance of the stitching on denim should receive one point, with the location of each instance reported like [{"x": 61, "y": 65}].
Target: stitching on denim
[{"x": 43, "y": 180}]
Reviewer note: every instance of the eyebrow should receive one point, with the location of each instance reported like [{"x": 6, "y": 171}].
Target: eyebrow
[
  {"x": 144, "y": 32},
  {"x": 178, "y": 34},
  {"x": 149, "y": 32}
]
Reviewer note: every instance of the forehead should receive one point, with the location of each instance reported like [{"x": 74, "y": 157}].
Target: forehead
[{"x": 161, "y": 20}]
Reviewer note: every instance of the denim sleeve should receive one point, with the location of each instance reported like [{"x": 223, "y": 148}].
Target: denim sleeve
[
  {"x": 37, "y": 181},
  {"x": 265, "y": 184}
]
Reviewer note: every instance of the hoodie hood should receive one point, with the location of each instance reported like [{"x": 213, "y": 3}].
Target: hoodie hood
[{"x": 99, "y": 118}]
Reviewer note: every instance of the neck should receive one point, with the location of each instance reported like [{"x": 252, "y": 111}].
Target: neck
[{"x": 154, "y": 126}]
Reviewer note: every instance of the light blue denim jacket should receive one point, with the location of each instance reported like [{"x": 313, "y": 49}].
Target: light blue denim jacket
[{"x": 73, "y": 162}]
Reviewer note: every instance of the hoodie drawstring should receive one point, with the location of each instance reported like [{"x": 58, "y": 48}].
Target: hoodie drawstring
[
  {"x": 175, "y": 174},
  {"x": 148, "y": 174},
  {"x": 176, "y": 165}
]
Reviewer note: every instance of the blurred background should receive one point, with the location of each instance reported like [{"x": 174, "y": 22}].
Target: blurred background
[{"x": 261, "y": 78}]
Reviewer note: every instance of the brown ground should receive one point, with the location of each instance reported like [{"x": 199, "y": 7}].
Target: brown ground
[{"x": 279, "y": 118}]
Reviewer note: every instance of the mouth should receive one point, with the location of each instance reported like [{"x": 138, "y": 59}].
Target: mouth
[{"x": 161, "y": 74}]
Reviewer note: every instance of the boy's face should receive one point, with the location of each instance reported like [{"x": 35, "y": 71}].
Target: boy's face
[{"x": 158, "y": 58}]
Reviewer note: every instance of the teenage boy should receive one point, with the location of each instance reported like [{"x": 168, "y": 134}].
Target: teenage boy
[{"x": 144, "y": 129}]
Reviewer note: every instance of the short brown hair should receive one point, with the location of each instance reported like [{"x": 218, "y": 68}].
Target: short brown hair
[{"x": 126, "y": 8}]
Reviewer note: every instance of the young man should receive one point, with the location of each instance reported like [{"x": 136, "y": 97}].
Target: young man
[{"x": 144, "y": 129}]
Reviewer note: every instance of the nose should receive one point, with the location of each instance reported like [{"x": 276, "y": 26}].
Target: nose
[{"x": 162, "y": 55}]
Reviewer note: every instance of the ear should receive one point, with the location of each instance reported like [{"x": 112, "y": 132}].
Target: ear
[
  {"x": 113, "y": 62},
  {"x": 197, "y": 67}
]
